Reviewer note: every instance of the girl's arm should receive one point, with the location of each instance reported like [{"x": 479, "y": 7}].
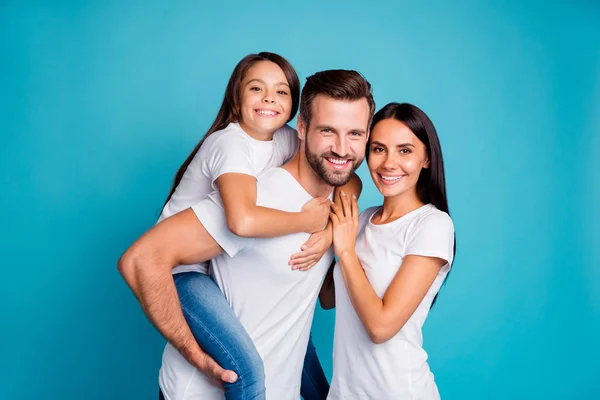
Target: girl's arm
[
  {"x": 245, "y": 218},
  {"x": 318, "y": 243},
  {"x": 382, "y": 318}
]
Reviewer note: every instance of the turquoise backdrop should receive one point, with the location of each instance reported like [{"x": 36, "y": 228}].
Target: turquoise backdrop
[{"x": 101, "y": 101}]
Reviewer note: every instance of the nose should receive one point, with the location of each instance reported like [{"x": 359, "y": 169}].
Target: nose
[
  {"x": 390, "y": 161},
  {"x": 268, "y": 97},
  {"x": 342, "y": 146}
]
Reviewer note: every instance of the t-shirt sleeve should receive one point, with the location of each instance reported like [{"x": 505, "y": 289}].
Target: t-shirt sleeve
[
  {"x": 433, "y": 236},
  {"x": 229, "y": 154},
  {"x": 289, "y": 142},
  {"x": 211, "y": 214}
]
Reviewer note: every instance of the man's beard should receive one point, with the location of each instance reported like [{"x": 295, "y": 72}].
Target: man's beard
[{"x": 331, "y": 177}]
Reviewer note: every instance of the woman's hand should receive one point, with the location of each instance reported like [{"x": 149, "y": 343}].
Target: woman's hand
[
  {"x": 315, "y": 213},
  {"x": 345, "y": 225},
  {"x": 312, "y": 251}
]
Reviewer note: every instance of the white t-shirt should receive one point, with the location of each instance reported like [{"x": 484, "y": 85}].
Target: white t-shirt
[
  {"x": 225, "y": 151},
  {"x": 396, "y": 369},
  {"x": 274, "y": 304}
]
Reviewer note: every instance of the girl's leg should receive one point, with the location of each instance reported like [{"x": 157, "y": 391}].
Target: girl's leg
[
  {"x": 220, "y": 333},
  {"x": 314, "y": 384}
]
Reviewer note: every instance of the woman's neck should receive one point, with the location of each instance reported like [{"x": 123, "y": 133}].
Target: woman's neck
[{"x": 395, "y": 207}]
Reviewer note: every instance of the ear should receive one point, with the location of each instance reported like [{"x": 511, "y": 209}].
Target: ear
[
  {"x": 426, "y": 164},
  {"x": 301, "y": 128}
]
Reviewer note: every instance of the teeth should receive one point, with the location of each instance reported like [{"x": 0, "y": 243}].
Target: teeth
[
  {"x": 337, "y": 161},
  {"x": 267, "y": 112},
  {"x": 390, "y": 178}
]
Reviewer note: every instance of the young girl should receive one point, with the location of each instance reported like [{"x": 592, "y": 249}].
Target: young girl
[
  {"x": 248, "y": 136},
  {"x": 387, "y": 278}
]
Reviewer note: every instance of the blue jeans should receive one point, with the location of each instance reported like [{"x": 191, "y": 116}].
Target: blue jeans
[{"x": 220, "y": 333}]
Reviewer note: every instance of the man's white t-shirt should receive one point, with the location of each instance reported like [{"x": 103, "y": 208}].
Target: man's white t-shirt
[
  {"x": 396, "y": 369},
  {"x": 230, "y": 150},
  {"x": 274, "y": 304}
]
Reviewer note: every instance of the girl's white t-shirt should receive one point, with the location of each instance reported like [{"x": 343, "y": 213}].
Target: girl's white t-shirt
[
  {"x": 396, "y": 369},
  {"x": 230, "y": 150}
]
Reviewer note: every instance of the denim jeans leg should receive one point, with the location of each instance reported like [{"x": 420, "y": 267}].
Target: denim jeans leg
[
  {"x": 314, "y": 382},
  {"x": 220, "y": 333}
]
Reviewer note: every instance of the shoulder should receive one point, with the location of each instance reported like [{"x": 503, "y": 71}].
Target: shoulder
[
  {"x": 286, "y": 134},
  {"x": 286, "y": 131},
  {"x": 434, "y": 219},
  {"x": 232, "y": 136}
]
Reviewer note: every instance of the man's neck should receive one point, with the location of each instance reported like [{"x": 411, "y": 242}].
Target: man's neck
[{"x": 301, "y": 170}]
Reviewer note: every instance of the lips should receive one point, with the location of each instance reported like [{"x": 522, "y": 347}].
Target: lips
[
  {"x": 338, "y": 163},
  {"x": 389, "y": 179},
  {"x": 266, "y": 113}
]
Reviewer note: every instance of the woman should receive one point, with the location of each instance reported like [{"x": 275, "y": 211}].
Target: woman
[{"x": 388, "y": 276}]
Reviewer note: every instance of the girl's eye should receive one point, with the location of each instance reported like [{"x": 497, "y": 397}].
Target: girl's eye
[
  {"x": 282, "y": 92},
  {"x": 255, "y": 88}
]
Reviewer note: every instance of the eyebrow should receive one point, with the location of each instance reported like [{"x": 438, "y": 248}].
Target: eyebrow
[
  {"x": 398, "y": 145},
  {"x": 263, "y": 82},
  {"x": 363, "y": 131}
]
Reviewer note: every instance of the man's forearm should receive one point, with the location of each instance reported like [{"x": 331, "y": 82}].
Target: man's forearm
[{"x": 155, "y": 290}]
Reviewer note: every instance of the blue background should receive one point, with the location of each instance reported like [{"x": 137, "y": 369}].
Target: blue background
[{"x": 101, "y": 101}]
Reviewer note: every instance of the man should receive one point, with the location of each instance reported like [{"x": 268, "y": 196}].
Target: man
[{"x": 274, "y": 304}]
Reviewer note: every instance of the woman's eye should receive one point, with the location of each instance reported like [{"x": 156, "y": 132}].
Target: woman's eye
[
  {"x": 405, "y": 151},
  {"x": 377, "y": 149}
]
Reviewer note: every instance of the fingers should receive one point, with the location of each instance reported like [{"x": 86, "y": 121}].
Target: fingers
[
  {"x": 337, "y": 210},
  {"x": 334, "y": 218},
  {"x": 305, "y": 263},
  {"x": 216, "y": 372},
  {"x": 346, "y": 208},
  {"x": 312, "y": 240},
  {"x": 307, "y": 266}
]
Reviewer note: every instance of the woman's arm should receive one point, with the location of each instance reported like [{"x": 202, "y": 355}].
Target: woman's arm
[
  {"x": 382, "y": 318},
  {"x": 245, "y": 218}
]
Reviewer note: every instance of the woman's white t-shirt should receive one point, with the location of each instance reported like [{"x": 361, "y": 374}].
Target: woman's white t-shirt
[
  {"x": 230, "y": 150},
  {"x": 396, "y": 369}
]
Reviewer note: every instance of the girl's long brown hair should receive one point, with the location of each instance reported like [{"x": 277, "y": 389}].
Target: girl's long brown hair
[{"x": 229, "y": 111}]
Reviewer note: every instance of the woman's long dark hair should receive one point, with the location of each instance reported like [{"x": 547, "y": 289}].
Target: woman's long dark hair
[
  {"x": 431, "y": 185},
  {"x": 230, "y": 108}
]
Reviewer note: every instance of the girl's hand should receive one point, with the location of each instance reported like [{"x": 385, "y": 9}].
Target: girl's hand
[
  {"x": 315, "y": 213},
  {"x": 312, "y": 251},
  {"x": 345, "y": 225}
]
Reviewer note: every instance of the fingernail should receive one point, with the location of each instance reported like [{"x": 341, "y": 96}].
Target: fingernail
[
  {"x": 354, "y": 196},
  {"x": 342, "y": 193},
  {"x": 231, "y": 378}
]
